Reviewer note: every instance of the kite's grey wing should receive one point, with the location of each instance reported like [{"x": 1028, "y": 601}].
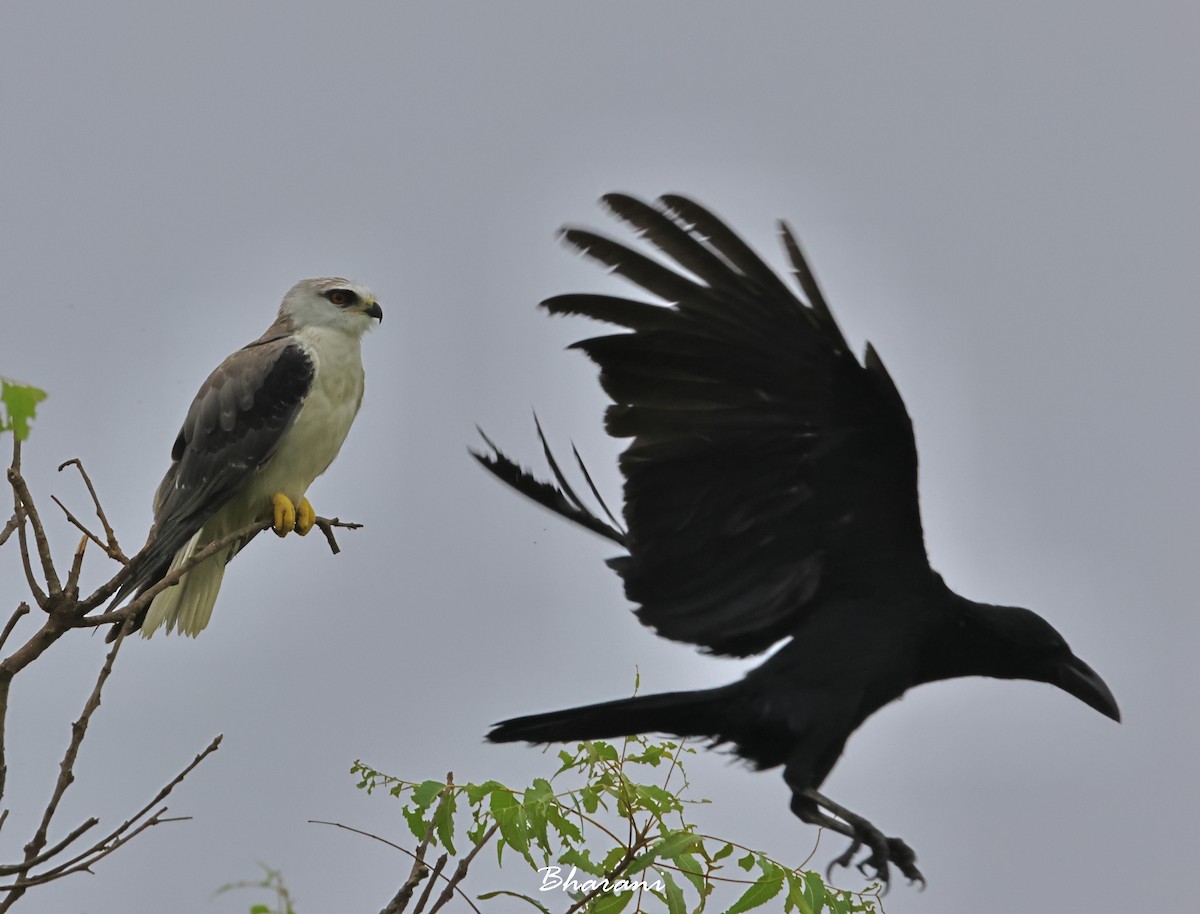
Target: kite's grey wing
[{"x": 234, "y": 425}]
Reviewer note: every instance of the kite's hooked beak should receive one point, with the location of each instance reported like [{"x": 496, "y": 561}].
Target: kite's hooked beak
[{"x": 373, "y": 310}]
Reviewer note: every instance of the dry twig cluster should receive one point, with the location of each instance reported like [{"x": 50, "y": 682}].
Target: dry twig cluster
[{"x": 63, "y": 609}]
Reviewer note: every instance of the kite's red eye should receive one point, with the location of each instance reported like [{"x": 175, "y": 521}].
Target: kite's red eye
[{"x": 341, "y": 297}]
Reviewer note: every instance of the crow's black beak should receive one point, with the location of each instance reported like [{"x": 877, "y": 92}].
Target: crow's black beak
[{"x": 1084, "y": 683}]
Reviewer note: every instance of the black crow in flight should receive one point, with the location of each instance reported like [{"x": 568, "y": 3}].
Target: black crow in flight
[{"x": 770, "y": 494}]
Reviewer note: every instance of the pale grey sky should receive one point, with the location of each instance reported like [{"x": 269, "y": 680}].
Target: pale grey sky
[{"x": 1002, "y": 197}]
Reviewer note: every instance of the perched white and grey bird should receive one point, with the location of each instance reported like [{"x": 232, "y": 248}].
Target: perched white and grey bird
[{"x": 267, "y": 422}]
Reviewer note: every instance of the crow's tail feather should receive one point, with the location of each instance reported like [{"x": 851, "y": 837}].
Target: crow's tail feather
[{"x": 699, "y": 713}]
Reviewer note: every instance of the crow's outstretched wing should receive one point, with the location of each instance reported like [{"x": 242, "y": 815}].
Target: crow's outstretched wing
[{"x": 769, "y": 470}]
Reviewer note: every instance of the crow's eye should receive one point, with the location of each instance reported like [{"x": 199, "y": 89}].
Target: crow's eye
[{"x": 341, "y": 297}]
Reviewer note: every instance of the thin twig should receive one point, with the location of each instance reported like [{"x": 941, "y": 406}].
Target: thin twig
[
  {"x": 50, "y": 852},
  {"x": 405, "y": 850},
  {"x": 8, "y": 529},
  {"x": 25, "y": 505},
  {"x": 121, "y": 835},
  {"x": 66, "y": 770},
  {"x": 327, "y": 526},
  {"x": 78, "y": 524},
  {"x": 437, "y": 873},
  {"x": 144, "y": 599},
  {"x": 21, "y": 515},
  {"x": 419, "y": 869},
  {"x": 112, "y": 548},
  {"x": 460, "y": 872},
  {"x": 72, "y": 590},
  {"x": 21, "y": 610}
]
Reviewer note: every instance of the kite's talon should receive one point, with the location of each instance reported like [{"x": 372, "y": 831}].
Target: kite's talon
[
  {"x": 305, "y": 517},
  {"x": 285, "y": 514}
]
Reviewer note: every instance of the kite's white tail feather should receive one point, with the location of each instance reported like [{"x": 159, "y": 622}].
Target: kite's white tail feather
[{"x": 188, "y": 605}]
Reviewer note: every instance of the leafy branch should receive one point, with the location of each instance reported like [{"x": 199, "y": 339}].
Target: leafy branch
[{"x": 600, "y": 837}]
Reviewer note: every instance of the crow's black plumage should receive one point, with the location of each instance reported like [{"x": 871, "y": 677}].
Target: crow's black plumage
[{"x": 770, "y": 493}]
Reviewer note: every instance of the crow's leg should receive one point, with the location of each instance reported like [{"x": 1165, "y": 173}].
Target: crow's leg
[{"x": 816, "y": 809}]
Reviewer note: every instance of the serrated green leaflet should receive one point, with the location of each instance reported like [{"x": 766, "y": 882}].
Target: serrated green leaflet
[
  {"x": 673, "y": 894},
  {"x": 426, "y": 792},
  {"x": 581, "y": 860},
  {"x": 760, "y": 893},
  {"x": 511, "y": 818},
  {"x": 537, "y": 904},
  {"x": 692, "y": 870},
  {"x": 416, "y": 822},
  {"x": 538, "y": 799},
  {"x": 443, "y": 821},
  {"x": 610, "y": 903}
]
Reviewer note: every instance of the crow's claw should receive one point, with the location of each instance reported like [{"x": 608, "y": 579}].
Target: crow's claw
[{"x": 844, "y": 860}]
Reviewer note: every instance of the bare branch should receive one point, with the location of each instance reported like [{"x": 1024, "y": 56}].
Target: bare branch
[
  {"x": 460, "y": 872},
  {"x": 78, "y": 524},
  {"x": 327, "y": 526},
  {"x": 437, "y": 874},
  {"x": 26, "y": 509},
  {"x": 144, "y": 599},
  {"x": 50, "y": 852},
  {"x": 19, "y": 513},
  {"x": 113, "y": 549},
  {"x": 405, "y": 850},
  {"x": 8, "y": 529},
  {"x": 66, "y": 775},
  {"x": 21, "y": 610},
  {"x": 72, "y": 590},
  {"x": 118, "y": 837}
]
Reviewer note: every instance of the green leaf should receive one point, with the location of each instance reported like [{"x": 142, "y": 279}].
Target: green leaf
[
  {"x": 416, "y": 822},
  {"x": 760, "y": 893},
  {"x": 814, "y": 890},
  {"x": 797, "y": 896},
  {"x": 590, "y": 797},
  {"x": 610, "y": 902},
  {"x": 613, "y": 857},
  {"x": 693, "y": 871},
  {"x": 675, "y": 843},
  {"x": 568, "y": 760},
  {"x": 538, "y": 799},
  {"x": 511, "y": 818},
  {"x": 673, "y": 893},
  {"x": 537, "y": 904},
  {"x": 581, "y": 860},
  {"x": 723, "y": 853},
  {"x": 652, "y": 755},
  {"x": 260, "y": 909},
  {"x": 566, "y": 828},
  {"x": 600, "y": 751},
  {"x": 476, "y": 792},
  {"x": 747, "y": 862},
  {"x": 443, "y": 821},
  {"x": 426, "y": 792},
  {"x": 656, "y": 799},
  {"x": 20, "y": 403}
]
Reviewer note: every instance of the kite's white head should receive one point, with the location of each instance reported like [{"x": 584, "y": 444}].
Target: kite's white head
[{"x": 333, "y": 302}]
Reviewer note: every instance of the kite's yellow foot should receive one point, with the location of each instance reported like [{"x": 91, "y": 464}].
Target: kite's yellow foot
[
  {"x": 285, "y": 514},
  {"x": 305, "y": 517}
]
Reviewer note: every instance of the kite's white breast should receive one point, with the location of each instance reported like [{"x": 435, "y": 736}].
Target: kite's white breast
[{"x": 324, "y": 419}]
